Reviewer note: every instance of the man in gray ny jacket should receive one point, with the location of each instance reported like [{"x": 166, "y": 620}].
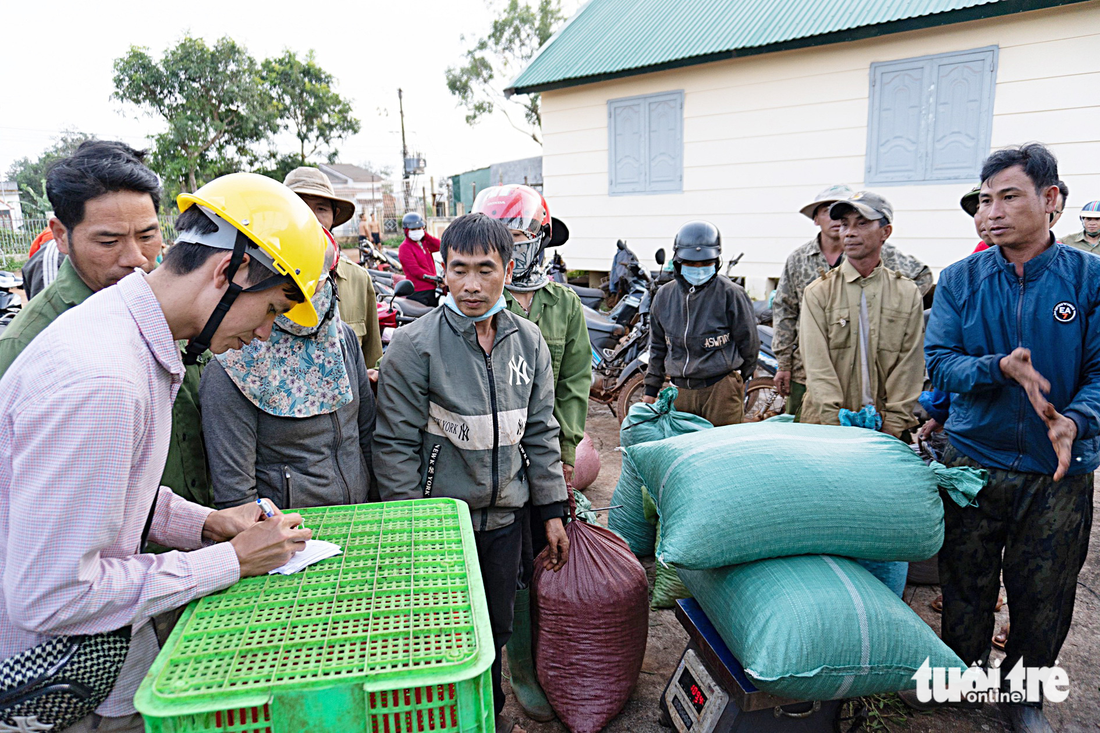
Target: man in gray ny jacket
[{"x": 466, "y": 410}]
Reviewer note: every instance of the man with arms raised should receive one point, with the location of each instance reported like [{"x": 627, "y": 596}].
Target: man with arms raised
[{"x": 1015, "y": 337}]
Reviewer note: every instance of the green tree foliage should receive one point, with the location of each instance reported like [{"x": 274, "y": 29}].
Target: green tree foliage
[
  {"x": 307, "y": 105},
  {"x": 212, "y": 98},
  {"x": 30, "y": 175},
  {"x": 518, "y": 32},
  {"x": 277, "y": 165}
]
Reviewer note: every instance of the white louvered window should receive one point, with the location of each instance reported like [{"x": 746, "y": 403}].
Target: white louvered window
[
  {"x": 646, "y": 144},
  {"x": 931, "y": 117}
]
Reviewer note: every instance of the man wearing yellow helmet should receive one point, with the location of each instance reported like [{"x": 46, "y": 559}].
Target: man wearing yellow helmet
[{"x": 97, "y": 387}]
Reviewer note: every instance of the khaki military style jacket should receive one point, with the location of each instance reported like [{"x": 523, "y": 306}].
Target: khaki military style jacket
[
  {"x": 829, "y": 340},
  {"x": 358, "y": 308},
  {"x": 807, "y": 264},
  {"x": 1077, "y": 241}
]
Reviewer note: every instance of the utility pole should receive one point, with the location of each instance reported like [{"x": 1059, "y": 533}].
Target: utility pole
[{"x": 404, "y": 152}]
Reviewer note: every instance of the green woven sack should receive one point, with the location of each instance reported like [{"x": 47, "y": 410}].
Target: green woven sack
[
  {"x": 746, "y": 492},
  {"x": 645, "y": 423},
  {"x": 667, "y": 586},
  {"x": 817, "y": 627},
  {"x": 628, "y": 519},
  {"x": 584, "y": 508}
]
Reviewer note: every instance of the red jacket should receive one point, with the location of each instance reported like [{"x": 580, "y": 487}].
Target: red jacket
[
  {"x": 44, "y": 236},
  {"x": 416, "y": 260}
]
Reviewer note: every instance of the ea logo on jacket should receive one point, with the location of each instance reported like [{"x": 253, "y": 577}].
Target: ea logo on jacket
[{"x": 1065, "y": 312}]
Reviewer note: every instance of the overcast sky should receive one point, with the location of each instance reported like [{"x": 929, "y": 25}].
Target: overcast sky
[{"x": 58, "y": 69}]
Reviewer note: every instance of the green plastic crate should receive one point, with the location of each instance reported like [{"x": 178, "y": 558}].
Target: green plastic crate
[{"x": 392, "y": 636}]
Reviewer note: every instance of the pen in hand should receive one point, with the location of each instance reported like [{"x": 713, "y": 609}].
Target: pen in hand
[
  {"x": 269, "y": 510},
  {"x": 266, "y": 507}
]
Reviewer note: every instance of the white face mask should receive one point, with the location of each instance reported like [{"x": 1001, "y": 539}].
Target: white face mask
[
  {"x": 416, "y": 234},
  {"x": 697, "y": 275}
]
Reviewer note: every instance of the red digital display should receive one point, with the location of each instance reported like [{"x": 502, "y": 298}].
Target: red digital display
[{"x": 694, "y": 692}]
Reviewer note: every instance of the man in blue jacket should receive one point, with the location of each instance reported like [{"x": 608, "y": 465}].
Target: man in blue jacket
[{"x": 1015, "y": 334}]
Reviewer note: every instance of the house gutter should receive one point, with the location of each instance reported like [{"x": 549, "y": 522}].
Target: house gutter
[{"x": 978, "y": 12}]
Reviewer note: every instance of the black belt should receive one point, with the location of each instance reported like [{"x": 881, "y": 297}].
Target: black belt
[{"x": 687, "y": 383}]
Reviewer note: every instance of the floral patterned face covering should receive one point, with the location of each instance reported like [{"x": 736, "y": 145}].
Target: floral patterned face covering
[{"x": 299, "y": 371}]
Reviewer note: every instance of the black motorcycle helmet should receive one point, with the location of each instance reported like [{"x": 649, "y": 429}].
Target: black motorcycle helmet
[
  {"x": 697, "y": 241},
  {"x": 413, "y": 220}
]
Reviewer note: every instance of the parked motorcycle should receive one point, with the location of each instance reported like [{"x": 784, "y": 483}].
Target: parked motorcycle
[
  {"x": 618, "y": 374},
  {"x": 556, "y": 271},
  {"x": 10, "y": 302},
  {"x": 620, "y": 357},
  {"x": 762, "y": 399},
  {"x": 606, "y": 331},
  {"x": 633, "y": 286},
  {"x": 397, "y": 311},
  {"x": 378, "y": 258}
]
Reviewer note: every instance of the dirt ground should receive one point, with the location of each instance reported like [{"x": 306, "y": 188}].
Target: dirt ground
[{"x": 1080, "y": 654}]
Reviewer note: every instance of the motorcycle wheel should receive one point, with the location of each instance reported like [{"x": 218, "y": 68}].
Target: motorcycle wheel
[
  {"x": 762, "y": 400},
  {"x": 631, "y": 393}
]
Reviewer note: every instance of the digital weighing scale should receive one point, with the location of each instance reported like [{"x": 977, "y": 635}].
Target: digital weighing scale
[{"x": 710, "y": 692}]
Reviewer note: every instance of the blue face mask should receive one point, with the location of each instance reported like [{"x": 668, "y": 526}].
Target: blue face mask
[
  {"x": 697, "y": 275},
  {"x": 501, "y": 303}
]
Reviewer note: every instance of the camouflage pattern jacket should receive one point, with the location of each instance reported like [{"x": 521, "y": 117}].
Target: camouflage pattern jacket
[{"x": 807, "y": 264}]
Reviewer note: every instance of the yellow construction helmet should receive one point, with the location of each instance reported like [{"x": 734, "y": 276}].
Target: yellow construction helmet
[{"x": 287, "y": 235}]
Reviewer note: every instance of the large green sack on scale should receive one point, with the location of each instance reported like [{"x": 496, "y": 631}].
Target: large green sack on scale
[
  {"x": 627, "y": 517},
  {"x": 746, "y": 492},
  {"x": 660, "y": 420},
  {"x": 817, "y": 627}
]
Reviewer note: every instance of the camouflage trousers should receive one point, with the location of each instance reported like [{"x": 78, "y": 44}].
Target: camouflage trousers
[
  {"x": 794, "y": 401},
  {"x": 1033, "y": 530}
]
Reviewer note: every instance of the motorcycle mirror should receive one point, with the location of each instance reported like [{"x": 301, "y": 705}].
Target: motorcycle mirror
[
  {"x": 560, "y": 233},
  {"x": 660, "y": 256},
  {"x": 403, "y": 289}
]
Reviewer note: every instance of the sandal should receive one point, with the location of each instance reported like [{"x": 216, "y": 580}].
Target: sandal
[
  {"x": 507, "y": 725},
  {"x": 1001, "y": 637}
]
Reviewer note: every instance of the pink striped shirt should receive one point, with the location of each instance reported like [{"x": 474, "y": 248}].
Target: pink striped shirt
[{"x": 85, "y": 418}]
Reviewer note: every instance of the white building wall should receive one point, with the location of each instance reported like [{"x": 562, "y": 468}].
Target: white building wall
[{"x": 763, "y": 134}]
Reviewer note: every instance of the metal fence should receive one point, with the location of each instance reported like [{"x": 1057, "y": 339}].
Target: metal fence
[{"x": 16, "y": 242}]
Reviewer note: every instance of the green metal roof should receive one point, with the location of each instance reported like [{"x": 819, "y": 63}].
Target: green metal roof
[{"x": 612, "y": 38}]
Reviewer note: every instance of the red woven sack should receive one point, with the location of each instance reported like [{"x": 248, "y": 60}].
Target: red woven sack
[
  {"x": 586, "y": 465},
  {"x": 591, "y": 620}
]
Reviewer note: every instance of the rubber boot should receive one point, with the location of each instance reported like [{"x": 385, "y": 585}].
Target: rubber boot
[{"x": 521, "y": 663}]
